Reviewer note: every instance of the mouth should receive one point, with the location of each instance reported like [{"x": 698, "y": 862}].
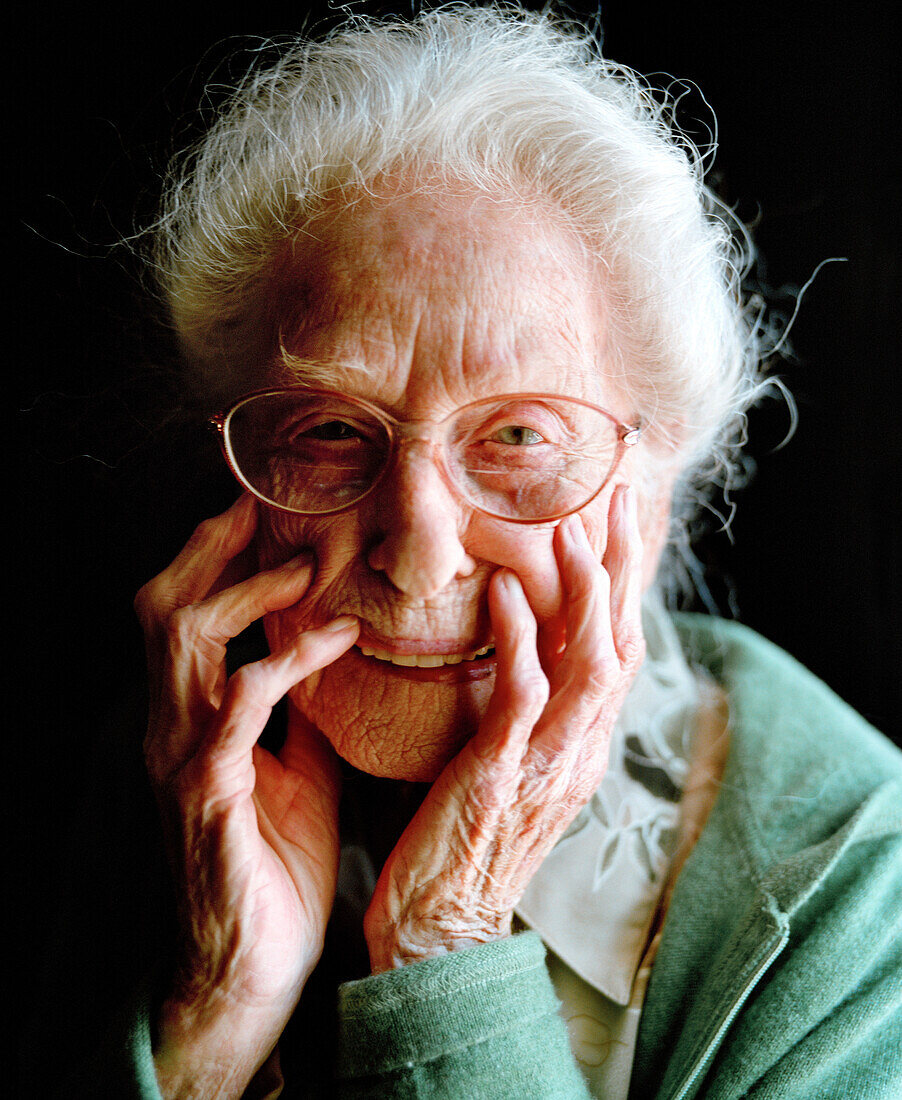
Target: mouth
[
  {"x": 426, "y": 660},
  {"x": 453, "y": 667}
]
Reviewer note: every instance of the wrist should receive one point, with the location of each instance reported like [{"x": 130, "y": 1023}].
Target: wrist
[
  {"x": 392, "y": 947},
  {"x": 212, "y": 1049}
]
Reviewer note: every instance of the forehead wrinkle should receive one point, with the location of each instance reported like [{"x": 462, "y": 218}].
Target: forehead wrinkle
[
  {"x": 551, "y": 339},
  {"x": 498, "y": 340},
  {"x": 392, "y": 290},
  {"x": 337, "y": 318}
]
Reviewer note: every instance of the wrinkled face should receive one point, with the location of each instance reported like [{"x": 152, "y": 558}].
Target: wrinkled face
[{"x": 421, "y": 306}]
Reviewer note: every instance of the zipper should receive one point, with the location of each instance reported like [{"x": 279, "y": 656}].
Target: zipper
[{"x": 711, "y": 1049}]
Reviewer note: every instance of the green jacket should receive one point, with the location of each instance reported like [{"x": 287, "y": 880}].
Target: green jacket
[{"x": 779, "y": 974}]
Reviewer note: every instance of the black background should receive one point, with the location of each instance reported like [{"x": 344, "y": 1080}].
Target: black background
[{"x": 804, "y": 100}]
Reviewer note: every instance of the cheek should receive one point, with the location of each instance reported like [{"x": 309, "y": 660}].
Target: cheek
[
  {"x": 281, "y": 536},
  {"x": 529, "y": 552},
  {"x": 335, "y": 542}
]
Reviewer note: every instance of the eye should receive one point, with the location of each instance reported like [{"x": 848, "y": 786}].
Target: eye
[
  {"x": 517, "y": 435},
  {"x": 331, "y": 430}
]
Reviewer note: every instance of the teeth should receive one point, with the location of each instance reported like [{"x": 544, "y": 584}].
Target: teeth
[{"x": 424, "y": 660}]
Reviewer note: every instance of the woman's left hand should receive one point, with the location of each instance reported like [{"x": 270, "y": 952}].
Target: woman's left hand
[{"x": 541, "y": 750}]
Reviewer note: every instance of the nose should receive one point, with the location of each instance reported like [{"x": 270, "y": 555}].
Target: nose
[{"x": 419, "y": 547}]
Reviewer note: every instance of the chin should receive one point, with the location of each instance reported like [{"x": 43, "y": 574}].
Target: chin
[{"x": 387, "y": 725}]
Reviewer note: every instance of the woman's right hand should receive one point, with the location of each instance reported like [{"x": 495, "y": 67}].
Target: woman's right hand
[{"x": 253, "y": 838}]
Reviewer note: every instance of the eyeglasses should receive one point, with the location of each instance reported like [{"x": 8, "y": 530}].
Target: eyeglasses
[{"x": 521, "y": 457}]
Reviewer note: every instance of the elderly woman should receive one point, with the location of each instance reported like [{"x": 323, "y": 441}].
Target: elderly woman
[{"x": 473, "y": 326}]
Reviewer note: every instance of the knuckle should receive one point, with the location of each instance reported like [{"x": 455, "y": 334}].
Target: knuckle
[
  {"x": 158, "y": 601},
  {"x": 147, "y": 602},
  {"x": 530, "y": 691},
  {"x": 205, "y": 535},
  {"x": 598, "y": 582},
  {"x": 551, "y": 783},
  {"x": 632, "y": 648},
  {"x": 250, "y": 683},
  {"x": 601, "y": 670},
  {"x": 184, "y": 624},
  {"x": 214, "y": 535}
]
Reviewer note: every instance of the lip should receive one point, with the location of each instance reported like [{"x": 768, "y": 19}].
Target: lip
[{"x": 465, "y": 672}]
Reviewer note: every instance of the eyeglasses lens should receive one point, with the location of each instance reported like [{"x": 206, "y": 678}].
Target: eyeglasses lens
[
  {"x": 523, "y": 459},
  {"x": 307, "y": 454},
  {"x": 530, "y": 458}
]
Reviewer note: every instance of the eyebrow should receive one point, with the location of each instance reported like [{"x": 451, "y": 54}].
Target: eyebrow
[{"x": 329, "y": 373}]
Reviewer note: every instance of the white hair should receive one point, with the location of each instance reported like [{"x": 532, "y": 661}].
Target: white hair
[{"x": 513, "y": 104}]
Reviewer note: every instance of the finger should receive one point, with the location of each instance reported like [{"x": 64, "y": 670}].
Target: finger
[
  {"x": 255, "y": 689},
  {"x": 221, "y": 617},
  {"x": 188, "y": 678},
  {"x": 623, "y": 562},
  {"x": 193, "y": 657},
  {"x": 587, "y": 585},
  {"x": 589, "y": 665},
  {"x": 190, "y": 577},
  {"x": 521, "y": 687}
]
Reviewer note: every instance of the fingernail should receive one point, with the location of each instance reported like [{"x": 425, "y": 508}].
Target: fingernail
[
  {"x": 509, "y": 583},
  {"x": 343, "y": 622},
  {"x": 577, "y": 532},
  {"x": 304, "y": 558}
]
